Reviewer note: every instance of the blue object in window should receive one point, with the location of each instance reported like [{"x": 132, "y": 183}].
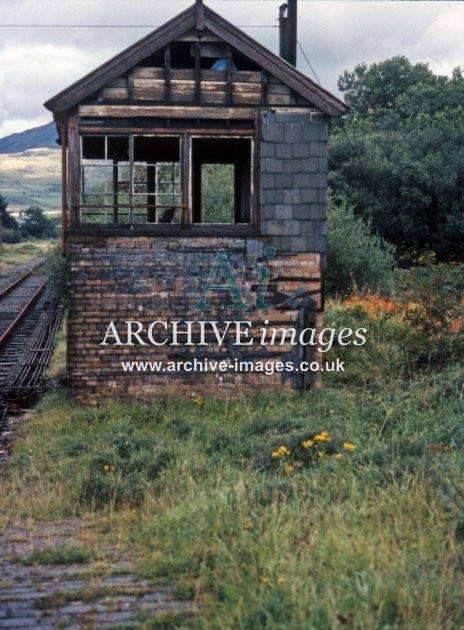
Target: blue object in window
[{"x": 221, "y": 64}]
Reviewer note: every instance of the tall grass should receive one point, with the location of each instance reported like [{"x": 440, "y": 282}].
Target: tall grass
[{"x": 368, "y": 535}]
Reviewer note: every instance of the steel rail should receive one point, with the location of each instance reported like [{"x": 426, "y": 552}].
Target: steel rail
[
  {"x": 8, "y": 332},
  {"x": 18, "y": 281}
]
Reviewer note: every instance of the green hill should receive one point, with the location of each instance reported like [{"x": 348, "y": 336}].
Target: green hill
[{"x": 39, "y": 137}]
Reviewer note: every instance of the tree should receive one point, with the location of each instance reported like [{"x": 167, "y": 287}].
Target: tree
[
  {"x": 37, "y": 224},
  {"x": 397, "y": 158},
  {"x": 8, "y": 221},
  {"x": 356, "y": 258}
]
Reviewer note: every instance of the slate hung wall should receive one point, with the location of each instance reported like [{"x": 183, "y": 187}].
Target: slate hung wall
[{"x": 146, "y": 139}]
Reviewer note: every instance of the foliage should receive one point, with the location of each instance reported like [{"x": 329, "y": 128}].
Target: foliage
[
  {"x": 419, "y": 328},
  {"x": 58, "y": 555},
  {"x": 397, "y": 158},
  {"x": 246, "y": 506},
  {"x": 11, "y": 237},
  {"x": 8, "y": 222},
  {"x": 355, "y": 256},
  {"x": 372, "y": 536},
  {"x": 121, "y": 467},
  {"x": 56, "y": 269},
  {"x": 217, "y": 201},
  {"x": 21, "y": 252},
  {"x": 432, "y": 294},
  {"x": 37, "y": 224}
]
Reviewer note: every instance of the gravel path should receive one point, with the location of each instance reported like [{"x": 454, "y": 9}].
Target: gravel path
[{"x": 93, "y": 594}]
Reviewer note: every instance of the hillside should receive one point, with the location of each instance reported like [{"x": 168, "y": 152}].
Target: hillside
[
  {"x": 31, "y": 178},
  {"x": 36, "y": 138}
]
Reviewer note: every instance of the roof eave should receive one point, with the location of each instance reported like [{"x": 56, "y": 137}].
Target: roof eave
[
  {"x": 174, "y": 28},
  {"x": 122, "y": 62}
]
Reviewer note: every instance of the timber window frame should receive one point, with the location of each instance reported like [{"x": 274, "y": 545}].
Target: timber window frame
[{"x": 129, "y": 179}]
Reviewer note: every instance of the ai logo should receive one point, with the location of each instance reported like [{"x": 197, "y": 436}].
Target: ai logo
[{"x": 231, "y": 286}]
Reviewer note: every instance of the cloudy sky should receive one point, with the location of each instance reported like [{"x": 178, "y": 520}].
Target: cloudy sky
[{"x": 45, "y": 45}]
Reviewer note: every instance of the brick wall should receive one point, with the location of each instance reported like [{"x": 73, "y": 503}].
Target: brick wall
[{"x": 154, "y": 278}]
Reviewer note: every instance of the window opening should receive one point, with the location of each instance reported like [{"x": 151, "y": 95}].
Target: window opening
[
  {"x": 221, "y": 180},
  {"x": 130, "y": 179}
]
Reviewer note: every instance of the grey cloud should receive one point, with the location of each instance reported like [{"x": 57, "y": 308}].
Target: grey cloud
[{"x": 36, "y": 63}]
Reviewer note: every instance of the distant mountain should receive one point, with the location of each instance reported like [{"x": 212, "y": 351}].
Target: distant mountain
[{"x": 38, "y": 137}]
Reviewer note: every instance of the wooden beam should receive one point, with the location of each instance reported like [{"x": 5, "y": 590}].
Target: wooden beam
[
  {"x": 264, "y": 87},
  {"x": 229, "y": 76},
  {"x": 185, "y": 181},
  {"x": 197, "y": 97},
  {"x": 73, "y": 169},
  {"x": 163, "y": 131},
  {"x": 199, "y": 19},
  {"x": 64, "y": 188},
  {"x": 167, "y": 73},
  {"x": 130, "y": 85},
  {"x": 155, "y": 111}
]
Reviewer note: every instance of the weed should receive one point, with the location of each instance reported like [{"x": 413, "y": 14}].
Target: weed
[{"x": 59, "y": 555}]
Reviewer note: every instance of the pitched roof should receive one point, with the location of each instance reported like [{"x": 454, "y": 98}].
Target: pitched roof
[{"x": 178, "y": 26}]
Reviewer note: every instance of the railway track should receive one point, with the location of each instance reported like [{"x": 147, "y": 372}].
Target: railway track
[{"x": 29, "y": 319}]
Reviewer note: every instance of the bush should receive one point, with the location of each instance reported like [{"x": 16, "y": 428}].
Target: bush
[
  {"x": 356, "y": 258},
  {"x": 121, "y": 467},
  {"x": 56, "y": 269},
  {"x": 11, "y": 236},
  {"x": 431, "y": 296},
  {"x": 37, "y": 224}
]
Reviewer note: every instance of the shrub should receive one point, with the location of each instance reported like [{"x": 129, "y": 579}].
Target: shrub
[
  {"x": 11, "y": 236},
  {"x": 121, "y": 467},
  {"x": 355, "y": 256},
  {"x": 56, "y": 269},
  {"x": 37, "y": 224},
  {"x": 430, "y": 294}
]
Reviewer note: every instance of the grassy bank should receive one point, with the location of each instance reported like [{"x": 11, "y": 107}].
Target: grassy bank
[
  {"x": 340, "y": 508},
  {"x": 14, "y": 254},
  {"x": 369, "y": 539}
]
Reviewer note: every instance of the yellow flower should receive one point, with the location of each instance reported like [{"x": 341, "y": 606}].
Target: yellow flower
[
  {"x": 288, "y": 468},
  {"x": 275, "y": 454},
  {"x": 280, "y": 580},
  {"x": 198, "y": 400},
  {"x": 338, "y": 456},
  {"x": 348, "y": 446},
  {"x": 106, "y": 468},
  {"x": 283, "y": 450},
  {"x": 308, "y": 443},
  {"x": 322, "y": 437}
]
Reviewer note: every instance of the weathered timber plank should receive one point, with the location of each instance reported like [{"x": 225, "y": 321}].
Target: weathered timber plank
[
  {"x": 213, "y": 98},
  {"x": 280, "y": 88},
  {"x": 247, "y": 98},
  {"x": 110, "y": 93},
  {"x": 118, "y": 82},
  {"x": 279, "y": 99},
  {"x": 161, "y": 111},
  {"x": 149, "y": 94},
  {"x": 247, "y": 88}
]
